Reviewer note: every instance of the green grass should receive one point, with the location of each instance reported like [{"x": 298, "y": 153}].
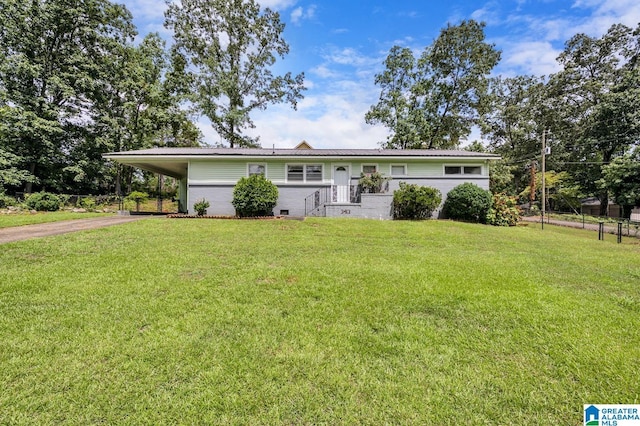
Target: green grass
[
  {"x": 317, "y": 322},
  {"x": 19, "y": 219}
]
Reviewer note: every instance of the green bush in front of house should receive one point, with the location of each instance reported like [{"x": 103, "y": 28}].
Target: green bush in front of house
[
  {"x": 504, "y": 211},
  {"x": 468, "y": 202},
  {"x": 372, "y": 183},
  {"x": 415, "y": 202},
  {"x": 201, "y": 207},
  {"x": 43, "y": 202},
  {"x": 254, "y": 196}
]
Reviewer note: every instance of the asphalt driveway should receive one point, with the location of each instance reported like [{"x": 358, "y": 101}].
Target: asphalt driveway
[{"x": 18, "y": 233}]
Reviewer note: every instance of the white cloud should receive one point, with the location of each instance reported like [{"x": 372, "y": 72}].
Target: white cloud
[
  {"x": 299, "y": 14},
  {"x": 607, "y": 13},
  {"x": 350, "y": 56},
  {"x": 488, "y": 14},
  {"x": 530, "y": 57},
  {"x": 341, "y": 124},
  {"x": 277, "y": 4},
  {"x": 323, "y": 71}
]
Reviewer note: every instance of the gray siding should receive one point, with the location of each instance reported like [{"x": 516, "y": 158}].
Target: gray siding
[{"x": 214, "y": 181}]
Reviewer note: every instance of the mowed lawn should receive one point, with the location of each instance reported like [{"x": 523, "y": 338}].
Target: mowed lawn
[
  {"x": 323, "y": 321},
  {"x": 26, "y": 218}
]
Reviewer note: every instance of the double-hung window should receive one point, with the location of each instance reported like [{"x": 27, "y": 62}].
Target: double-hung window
[
  {"x": 398, "y": 170},
  {"x": 367, "y": 169},
  {"x": 304, "y": 172},
  {"x": 313, "y": 172},
  {"x": 256, "y": 169}
]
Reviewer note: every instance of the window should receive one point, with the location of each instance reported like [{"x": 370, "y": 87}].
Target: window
[
  {"x": 472, "y": 170},
  {"x": 398, "y": 170},
  {"x": 304, "y": 172},
  {"x": 313, "y": 172},
  {"x": 295, "y": 172},
  {"x": 452, "y": 170},
  {"x": 462, "y": 170},
  {"x": 367, "y": 169},
  {"x": 257, "y": 169}
]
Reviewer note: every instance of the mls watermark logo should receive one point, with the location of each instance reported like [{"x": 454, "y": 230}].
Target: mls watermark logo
[
  {"x": 592, "y": 416},
  {"x": 611, "y": 415}
]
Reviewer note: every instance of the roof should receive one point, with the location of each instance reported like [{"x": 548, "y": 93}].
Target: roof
[
  {"x": 303, "y": 145},
  {"x": 174, "y": 161},
  {"x": 279, "y": 152}
]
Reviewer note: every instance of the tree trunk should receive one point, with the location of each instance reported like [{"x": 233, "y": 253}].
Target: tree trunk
[
  {"x": 604, "y": 204},
  {"x": 28, "y": 187}
]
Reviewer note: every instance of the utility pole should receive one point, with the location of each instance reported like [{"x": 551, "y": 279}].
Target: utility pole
[{"x": 544, "y": 153}]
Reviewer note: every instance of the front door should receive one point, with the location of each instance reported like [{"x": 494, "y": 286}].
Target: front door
[{"x": 340, "y": 184}]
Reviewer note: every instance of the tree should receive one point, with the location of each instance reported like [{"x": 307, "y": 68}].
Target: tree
[
  {"x": 621, "y": 178},
  {"x": 229, "y": 47},
  {"x": 397, "y": 104},
  {"x": 138, "y": 107},
  {"x": 561, "y": 193},
  {"x": 51, "y": 54},
  {"x": 597, "y": 96},
  {"x": 10, "y": 175},
  {"x": 514, "y": 126},
  {"x": 433, "y": 102}
]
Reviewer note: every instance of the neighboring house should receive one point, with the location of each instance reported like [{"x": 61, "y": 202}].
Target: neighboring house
[
  {"x": 311, "y": 182},
  {"x": 591, "y": 206}
]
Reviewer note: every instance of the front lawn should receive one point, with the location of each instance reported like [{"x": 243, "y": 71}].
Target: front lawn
[
  {"x": 324, "y": 321},
  {"x": 26, "y": 218}
]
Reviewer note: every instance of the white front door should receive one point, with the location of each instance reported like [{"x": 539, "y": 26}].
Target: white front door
[{"x": 340, "y": 184}]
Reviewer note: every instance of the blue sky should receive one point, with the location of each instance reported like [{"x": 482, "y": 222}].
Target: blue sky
[{"x": 340, "y": 46}]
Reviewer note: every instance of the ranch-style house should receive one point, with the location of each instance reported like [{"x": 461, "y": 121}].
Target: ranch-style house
[{"x": 311, "y": 182}]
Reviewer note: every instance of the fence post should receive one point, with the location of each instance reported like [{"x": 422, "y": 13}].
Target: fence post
[
  {"x": 601, "y": 231},
  {"x": 619, "y": 232},
  {"x": 582, "y": 220}
]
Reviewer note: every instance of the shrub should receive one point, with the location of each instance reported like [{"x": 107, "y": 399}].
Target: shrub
[
  {"x": 88, "y": 203},
  {"x": 138, "y": 197},
  {"x": 254, "y": 196},
  {"x": 372, "y": 183},
  {"x": 64, "y": 199},
  {"x": 468, "y": 202},
  {"x": 43, "y": 202},
  {"x": 201, "y": 207},
  {"x": 415, "y": 202},
  {"x": 504, "y": 211},
  {"x": 6, "y": 200}
]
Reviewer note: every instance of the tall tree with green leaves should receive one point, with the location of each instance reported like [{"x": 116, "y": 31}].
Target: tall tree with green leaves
[
  {"x": 397, "y": 106},
  {"x": 229, "y": 47},
  {"x": 138, "y": 106},
  {"x": 597, "y": 97},
  {"x": 433, "y": 102},
  {"x": 51, "y": 54},
  {"x": 514, "y": 124},
  {"x": 621, "y": 178}
]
